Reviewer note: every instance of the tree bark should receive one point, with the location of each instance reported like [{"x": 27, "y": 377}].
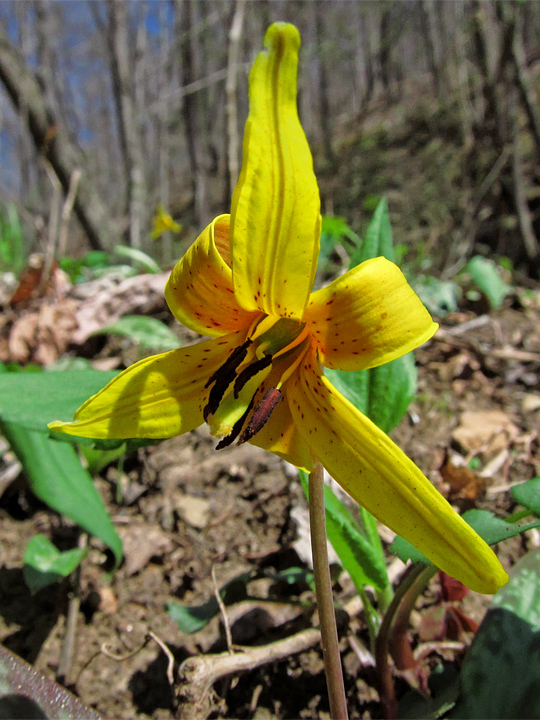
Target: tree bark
[
  {"x": 130, "y": 137},
  {"x": 231, "y": 85},
  {"x": 51, "y": 139}
]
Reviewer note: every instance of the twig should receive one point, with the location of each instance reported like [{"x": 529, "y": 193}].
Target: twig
[
  {"x": 198, "y": 674},
  {"x": 66, "y": 211},
  {"x": 169, "y": 655},
  {"x": 223, "y": 612},
  {"x": 52, "y": 232},
  {"x": 68, "y": 644},
  {"x": 325, "y": 601}
]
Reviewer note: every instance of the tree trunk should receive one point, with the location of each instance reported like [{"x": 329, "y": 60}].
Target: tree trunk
[
  {"x": 194, "y": 123},
  {"x": 51, "y": 139},
  {"x": 231, "y": 85},
  {"x": 130, "y": 137}
]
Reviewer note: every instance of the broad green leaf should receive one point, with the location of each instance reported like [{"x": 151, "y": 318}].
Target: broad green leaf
[
  {"x": 58, "y": 479},
  {"x": 33, "y": 400},
  {"x": 145, "y": 331},
  {"x": 363, "y": 560},
  {"x": 486, "y": 276},
  {"x": 528, "y": 495},
  {"x": 383, "y": 393},
  {"x": 378, "y": 239},
  {"x": 44, "y": 564},
  {"x": 493, "y": 529},
  {"x": 25, "y": 693},
  {"x": 501, "y": 671}
]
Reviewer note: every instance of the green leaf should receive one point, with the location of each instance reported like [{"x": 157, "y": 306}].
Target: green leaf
[
  {"x": 145, "y": 331},
  {"x": 33, "y": 400},
  {"x": 490, "y": 528},
  {"x": 44, "y": 564},
  {"x": 383, "y": 393},
  {"x": 528, "y": 495},
  {"x": 501, "y": 671},
  {"x": 192, "y": 619},
  {"x": 139, "y": 257},
  {"x": 439, "y": 296},
  {"x": 493, "y": 529},
  {"x": 486, "y": 276},
  {"x": 378, "y": 239},
  {"x": 363, "y": 560},
  {"x": 58, "y": 479}
]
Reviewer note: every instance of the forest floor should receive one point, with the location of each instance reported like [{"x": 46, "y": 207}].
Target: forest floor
[{"x": 192, "y": 519}]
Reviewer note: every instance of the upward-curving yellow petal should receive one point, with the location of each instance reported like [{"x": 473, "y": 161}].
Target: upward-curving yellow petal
[
  {"x": 200, "y": 292},
  {"x": 378, "y": 475},
  {"x": 367, "y": 317},
  {"x": 275, "y": 217}
]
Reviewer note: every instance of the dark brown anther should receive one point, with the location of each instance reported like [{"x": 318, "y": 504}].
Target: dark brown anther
[
  {"x": 222, "y": 378},
  {"x": 250, "y": 371},
  {"x": 261, "y": 415}
]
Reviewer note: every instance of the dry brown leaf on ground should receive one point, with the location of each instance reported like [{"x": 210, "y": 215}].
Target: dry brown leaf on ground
[
  {"x": 486, "y": 431},
  {"x": 22, "y": 338},
  {"x": 105, "y": 302},
  {"x": 463, "y": 482},
  {"x": 44, "y": 335}
]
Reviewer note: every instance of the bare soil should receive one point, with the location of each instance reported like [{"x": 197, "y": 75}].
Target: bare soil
[{"x": 192, "y": 519}]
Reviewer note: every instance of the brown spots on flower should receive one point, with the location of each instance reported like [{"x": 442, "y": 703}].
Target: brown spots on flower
[{"x": 384, "y": 315}]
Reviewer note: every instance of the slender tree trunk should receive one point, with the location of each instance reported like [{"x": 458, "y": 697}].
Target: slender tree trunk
[
  {"x": 324, "y": 101},
  {"x": 527, "y": 87},
  {"x": 231, "y": 87},
  {"x": 130, "y": 136},
  {"x": 195, "y": 124},
  {"x": 51, "y": 139}
]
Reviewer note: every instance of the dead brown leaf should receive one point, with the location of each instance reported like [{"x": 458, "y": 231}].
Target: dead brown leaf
[
  {"x": 486, "y": 431},
  {"x": 463, "y": 482}
]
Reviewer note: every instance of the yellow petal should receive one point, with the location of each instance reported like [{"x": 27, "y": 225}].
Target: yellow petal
[
  {"x": 158, "y": 397},
  {"x": 367, "y": 317},
  {"x": 275, "y": 218},
  {"x": 378, "y": 475},
  {"x": 200, "y": 292},
  {"x": 281, "y": 437}
]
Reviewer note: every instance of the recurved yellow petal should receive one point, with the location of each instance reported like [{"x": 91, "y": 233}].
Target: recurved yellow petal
[
  {"x": 200, "y": 292},
  {"x": 281, "y": 437},
  {"x": 275, "y": 218},
  {"x": 367, "y": 317},
  {"x": 378, "y": 475},
  {"x": 159, "y": 397}
]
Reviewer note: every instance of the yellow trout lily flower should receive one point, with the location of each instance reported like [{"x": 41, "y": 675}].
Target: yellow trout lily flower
[
  {"x": 163, "y": 222},
  {"x": 246, "y": 282}
]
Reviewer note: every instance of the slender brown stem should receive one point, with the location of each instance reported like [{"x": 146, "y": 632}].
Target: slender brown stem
[
  {"x": 325, "y": 601},
  {"x": 382, "y": 646}
]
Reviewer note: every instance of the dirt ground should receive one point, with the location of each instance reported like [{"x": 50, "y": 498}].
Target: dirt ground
[{"x": 192, "y": 519}]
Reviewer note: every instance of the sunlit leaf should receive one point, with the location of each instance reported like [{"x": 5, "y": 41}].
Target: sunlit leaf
[{"x": 44, "y": 564}]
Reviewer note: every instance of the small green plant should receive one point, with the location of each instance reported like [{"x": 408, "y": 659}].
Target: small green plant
[{"x": 12, "y": 246}]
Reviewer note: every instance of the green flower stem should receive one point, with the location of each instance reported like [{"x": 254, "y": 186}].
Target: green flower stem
[
  {"x": 415, "y": 576},
  {"x": 325, "y": 602}
]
